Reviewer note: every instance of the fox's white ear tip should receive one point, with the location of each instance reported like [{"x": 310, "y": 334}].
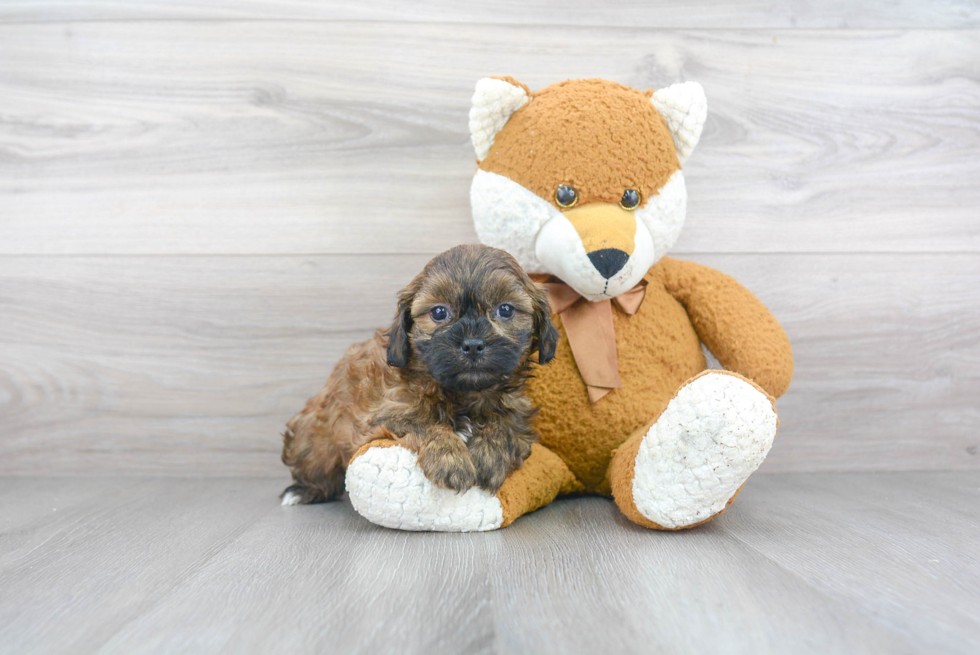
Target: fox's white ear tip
[
  {"x": 487, "y": 83},
  {"x": 494, "y": 101},
  {"x": 685, "y": 108}
]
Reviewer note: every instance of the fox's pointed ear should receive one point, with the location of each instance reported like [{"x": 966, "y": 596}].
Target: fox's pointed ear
[
  {"x": 494, "y": 100},
  {"x": 685, "y": 108}
]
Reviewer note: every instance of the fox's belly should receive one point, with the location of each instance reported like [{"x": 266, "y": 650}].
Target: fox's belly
[{"x": 658, "y": 351}]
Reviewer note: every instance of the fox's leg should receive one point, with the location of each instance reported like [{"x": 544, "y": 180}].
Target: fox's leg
[
  {"x": 686, "y": 467},
  {"x": 387, "y": 487}
]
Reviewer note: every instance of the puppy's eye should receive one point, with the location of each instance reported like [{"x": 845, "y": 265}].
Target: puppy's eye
[
  {"x": 439, "y": 314},
  {"x": 566, "y": 196},
  {"x": 505, "y": 311},
  {"x": 630, "y": 200}
]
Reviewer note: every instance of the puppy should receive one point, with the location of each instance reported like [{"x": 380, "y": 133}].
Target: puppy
[{"x": 446, "y": 380}]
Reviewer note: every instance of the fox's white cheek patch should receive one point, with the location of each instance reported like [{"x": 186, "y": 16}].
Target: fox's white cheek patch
[
  {"x": 509, "y": 217},
  {"x": 663, "y": 214},
  {"x": 644, "y": 256},
  {"x": 559, "y": 248}
]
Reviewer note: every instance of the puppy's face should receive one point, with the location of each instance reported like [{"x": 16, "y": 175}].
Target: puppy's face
[{"x": 470, "y": 319}]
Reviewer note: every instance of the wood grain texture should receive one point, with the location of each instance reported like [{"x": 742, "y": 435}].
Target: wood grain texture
[
  {"x": 887, "y": 565},
  {"x": 330, "y": 137},
  {"x": 323, "y": 146},
  {"x": 695, "y": 14},
  {"x": 192, "y": 365},
  {"x": 876, "y": 563},
  {"x": 202, "y": 204},
  {"x": 111, "y": 556}
]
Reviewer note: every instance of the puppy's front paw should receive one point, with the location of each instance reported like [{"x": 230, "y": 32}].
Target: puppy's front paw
[
  {"x": 496, "y": 458},
  {"x": 448, "y": 466},
  {"x": 492, "y": 479},
  {"x": 492, "y": 466}
]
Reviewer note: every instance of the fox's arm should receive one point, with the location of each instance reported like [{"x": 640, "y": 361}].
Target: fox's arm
[{"x": 734, "y": 325}]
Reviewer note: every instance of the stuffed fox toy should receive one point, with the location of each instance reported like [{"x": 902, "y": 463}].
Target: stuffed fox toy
[{"x": 582, "y": 183}]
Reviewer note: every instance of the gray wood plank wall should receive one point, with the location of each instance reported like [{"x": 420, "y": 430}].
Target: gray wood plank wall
[{"x": 202, "y": 204}]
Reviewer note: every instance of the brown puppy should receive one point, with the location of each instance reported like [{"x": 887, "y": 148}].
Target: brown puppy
[{"x": 446, "y": 380}]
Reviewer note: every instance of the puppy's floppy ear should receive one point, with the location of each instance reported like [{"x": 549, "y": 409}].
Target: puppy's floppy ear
[
  {"x": 399, "y": 347},
  {"x": 545, "y": 332}
]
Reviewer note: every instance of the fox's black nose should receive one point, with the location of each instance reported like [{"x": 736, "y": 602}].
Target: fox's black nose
[
  {"x": 473, "y": 348},
  {"x": 608, "y": 261}
]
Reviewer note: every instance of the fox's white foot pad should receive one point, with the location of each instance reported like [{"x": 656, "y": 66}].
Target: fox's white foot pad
[
  {"x": 713, "y": 435},
  {"x": 387, "y": 487}
]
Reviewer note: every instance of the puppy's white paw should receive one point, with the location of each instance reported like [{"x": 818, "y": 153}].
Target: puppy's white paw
[
  {"x": 713, "y": 435},
  {"x": 291, "y": 498},
  {"x": 387, "y": 487}
]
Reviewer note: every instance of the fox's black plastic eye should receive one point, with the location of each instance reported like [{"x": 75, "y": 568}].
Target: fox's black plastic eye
[
  {"x": 505, "y": 311},
  {"x": 566, "y": 196},
  {"x": 630, "y": 199},
  {"x": 439, "y": 314}
]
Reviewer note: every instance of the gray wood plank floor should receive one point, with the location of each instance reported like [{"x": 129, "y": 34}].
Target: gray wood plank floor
[{"x": 802, "y": 563}]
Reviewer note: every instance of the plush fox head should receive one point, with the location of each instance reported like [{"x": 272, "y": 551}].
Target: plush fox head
[{"x": 583, "y": 179}]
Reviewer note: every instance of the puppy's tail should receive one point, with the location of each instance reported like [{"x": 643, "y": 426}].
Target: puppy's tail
[{"x": 300, "y": 494}]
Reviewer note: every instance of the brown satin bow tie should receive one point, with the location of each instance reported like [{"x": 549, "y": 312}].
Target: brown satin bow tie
[{"x": 590, "y": 332}]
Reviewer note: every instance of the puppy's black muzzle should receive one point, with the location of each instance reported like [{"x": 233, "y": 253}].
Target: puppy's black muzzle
[
  {"x": 469, "y": 356},
  {"x": 472, "y": 333}
]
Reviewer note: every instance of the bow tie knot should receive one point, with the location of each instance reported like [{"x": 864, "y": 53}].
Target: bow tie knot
[{"x": 591, "y": 334}]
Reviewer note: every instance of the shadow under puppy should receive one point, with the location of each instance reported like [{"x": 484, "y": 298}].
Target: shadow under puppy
[{"x": 446, "y": 380}]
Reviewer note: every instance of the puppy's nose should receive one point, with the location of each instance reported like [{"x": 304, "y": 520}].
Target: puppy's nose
[
  {"x": 608, "y": 261},
  {"x": 473, "y": 348}
]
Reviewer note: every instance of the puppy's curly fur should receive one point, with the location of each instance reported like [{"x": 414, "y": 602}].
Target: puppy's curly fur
[{"x": 446, "y": 380}]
